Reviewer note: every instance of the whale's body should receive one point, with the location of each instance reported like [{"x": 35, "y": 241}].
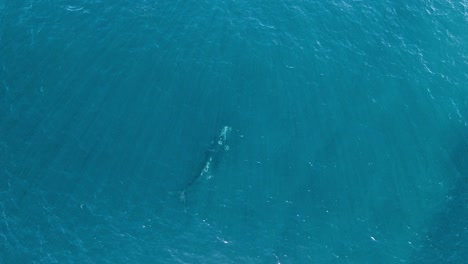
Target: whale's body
[{"x": 212, "y": 158}]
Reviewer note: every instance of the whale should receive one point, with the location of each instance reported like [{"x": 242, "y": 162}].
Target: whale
[{"x": 210, "y": 162}]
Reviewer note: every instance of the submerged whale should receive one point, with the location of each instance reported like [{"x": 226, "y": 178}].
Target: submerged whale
[{"x": 212, "y": 158}]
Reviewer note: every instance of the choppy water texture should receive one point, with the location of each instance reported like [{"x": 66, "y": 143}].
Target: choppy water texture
[{"x": 349, "y": 139}]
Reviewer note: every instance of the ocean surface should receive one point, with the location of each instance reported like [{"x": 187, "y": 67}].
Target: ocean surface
[{"x": 233, "y": 131}]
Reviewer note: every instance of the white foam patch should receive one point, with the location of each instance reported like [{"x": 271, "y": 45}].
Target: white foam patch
[{"x": 224, "y": 134}]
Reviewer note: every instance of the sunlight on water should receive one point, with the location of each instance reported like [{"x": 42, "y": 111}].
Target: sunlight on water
[{"x": 233, "y": 131}]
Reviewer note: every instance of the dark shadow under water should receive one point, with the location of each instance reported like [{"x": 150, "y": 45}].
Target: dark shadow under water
[
  {"x": 447, "y": 240},
  {"x": 210, "y": 162}
]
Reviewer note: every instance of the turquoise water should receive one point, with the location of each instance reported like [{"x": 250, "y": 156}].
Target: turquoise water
[{"x": 348, "y": 134}]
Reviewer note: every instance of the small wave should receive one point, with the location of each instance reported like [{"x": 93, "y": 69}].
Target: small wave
[{"x": 74, "y": 8}]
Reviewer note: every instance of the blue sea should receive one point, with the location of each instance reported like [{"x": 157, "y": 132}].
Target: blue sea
[{"x": 233, "y": 131}]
